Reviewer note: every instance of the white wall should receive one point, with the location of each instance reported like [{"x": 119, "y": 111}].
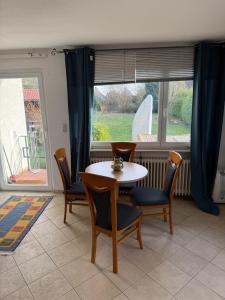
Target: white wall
[
  {"x": 55, "y": 94},
  {"x": 12, "y": 123}
]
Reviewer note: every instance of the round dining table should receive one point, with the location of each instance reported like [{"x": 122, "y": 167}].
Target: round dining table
[{"x": 131, "y": 172}]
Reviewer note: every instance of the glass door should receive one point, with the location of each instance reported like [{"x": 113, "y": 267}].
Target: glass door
[{"x": 23, "y": 133}]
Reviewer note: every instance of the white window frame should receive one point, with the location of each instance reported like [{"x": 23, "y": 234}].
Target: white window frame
[{"x": 161, "y": 144}]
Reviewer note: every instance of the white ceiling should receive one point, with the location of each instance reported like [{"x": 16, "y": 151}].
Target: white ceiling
[{"x": 56, "y": 23}]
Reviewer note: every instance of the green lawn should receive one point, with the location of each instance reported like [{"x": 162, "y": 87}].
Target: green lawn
[{"x": 120, "y": 125}]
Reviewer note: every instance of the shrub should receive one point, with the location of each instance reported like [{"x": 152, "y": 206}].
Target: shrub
[
  {"x": 186, "y": 111},
  {"x": 182, "y": 95},
  {"x": 176, "y": 105},
  {"x": 100, "y": 132}
]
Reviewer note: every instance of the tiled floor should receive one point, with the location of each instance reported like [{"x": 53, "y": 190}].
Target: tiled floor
[{"x": 53, "y": 261}]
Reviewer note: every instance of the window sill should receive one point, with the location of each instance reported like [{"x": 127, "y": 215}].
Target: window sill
[{"x": 144, "y": 147}]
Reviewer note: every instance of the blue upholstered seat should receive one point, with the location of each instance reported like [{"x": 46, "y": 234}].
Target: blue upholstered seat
[
  {"x": 125, "y": 214},
  {"x": 71, "y": 188},
  {"x": 127, "y": 186},
  {"x": 146, "y": 196},
  {"x": 76, "y": 188},
  {"x": 149, "y": 196}
]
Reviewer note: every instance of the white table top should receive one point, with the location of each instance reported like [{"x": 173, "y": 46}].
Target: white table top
[{"x": 131, "y": 172}]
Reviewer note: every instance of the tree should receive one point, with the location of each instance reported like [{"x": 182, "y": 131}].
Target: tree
[{"x": 152, "y": 88}]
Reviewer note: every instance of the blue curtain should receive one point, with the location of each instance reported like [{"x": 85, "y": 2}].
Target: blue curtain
[
  {"x": 207, "y": 120},
  {"x": 80, "y": 64}
]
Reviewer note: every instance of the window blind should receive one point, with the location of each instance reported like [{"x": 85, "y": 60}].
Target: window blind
[{"x": 143, "y": 65}]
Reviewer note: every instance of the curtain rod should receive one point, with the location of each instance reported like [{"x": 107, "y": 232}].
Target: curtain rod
[{"x": 54, "y": 51}]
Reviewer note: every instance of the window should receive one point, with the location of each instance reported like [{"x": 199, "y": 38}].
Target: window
[
  {"x": 143, "y": 95},
  {"x": 179, "y": 111},
  {"x": 132, "y": 112}
]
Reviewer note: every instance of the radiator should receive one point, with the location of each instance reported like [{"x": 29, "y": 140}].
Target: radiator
[{"x": 156, "y": 170}]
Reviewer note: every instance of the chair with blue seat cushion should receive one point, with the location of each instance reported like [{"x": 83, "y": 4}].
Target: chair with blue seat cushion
[
  {"x": 148, "y": 198},
  {"x": 126, "y": 151},
  {"x": 73, "y": 191},
  {"x": 108, "y": 217}
]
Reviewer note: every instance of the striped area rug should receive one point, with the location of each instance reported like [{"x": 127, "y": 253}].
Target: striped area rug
[{"x": 17, "y": 216}]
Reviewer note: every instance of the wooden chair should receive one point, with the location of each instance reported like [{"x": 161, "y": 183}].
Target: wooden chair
[
  {"x": 108, "y": 217},
  {"x": 126, "y": 151},
  {"x": 74, "y": 192},
  {"x": 153, "y": 199}
]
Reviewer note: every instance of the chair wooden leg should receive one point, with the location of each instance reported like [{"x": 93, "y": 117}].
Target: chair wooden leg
[
  {"x": 164, "y": 214},
  {"x": 70, "y": 208},
  {"x": 94, "y": 246},
  {"x": 139, "y": 238},
  {"x": 170, "y": 220},
  {"x": 114, "y": 254},
  {"x": 65, "y": 212}
]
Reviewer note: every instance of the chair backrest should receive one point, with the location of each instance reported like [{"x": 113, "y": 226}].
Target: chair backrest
[
  {"x": 102, "y": 194},
  {"x": 125, "y": 150},
  {"x": 61, "y": 160},
  {"x": 172, "y": 171}
]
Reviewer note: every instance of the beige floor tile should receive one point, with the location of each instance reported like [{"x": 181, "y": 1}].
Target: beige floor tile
[
  {"x": 29, "y": 237},
  {"x": 145, "y": 259},
  {"x": 42, "y": 229},
  {"x": 163, "y": 245},
  {"x": 41, "y": 219},
  {"x": 215, "y": 236},
  {"x": 51, "y": 241},
  {"x": 196, "y": 290},
  {"x": 98, "y": 287},
  {"x": 10, "y": 281},
  {"x": 82, "y": 212},
  {"x": 120, "y": 297},
  {"x": 178, "y": 217},
  {"x": 21, "y": 294},
  {"x": 65, "y": 253},
  {"x": 37, "y": 267},
  {"x": 54, "y": 211},
  {"x": 147, "y": 289},
  {"x": 188, "y": 261},
  {"x": 170, "y": 277},
  {"x": 220, "y": 224},
  {"x": 186, "y": 207},
  {"x": 219, "y": 260},
  {"x": 49, "y": 287},
  {"x": 128, "y": 274},
  {"x": 201, "y": 235},
  {"x": 6, "y": 262},
  {"x": 58, "y": 200},
  {"x": 208, "y": 219},
  {"x": 27, "y": 251},
  {"x": 194, "y": 224},
  {"x": 79, "y": 270},
  {"x": 104, "y": 255},
  {"x": 203, "y": 248},
  {"x": 214, "y": 278},
  {"x": 72, "y": 295},
  {"x": 59, "y": 222},
  {"x": 85, "y": 241},
  {"x": 76, "y": 229},
  {"x": 181, "y": 236}
]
